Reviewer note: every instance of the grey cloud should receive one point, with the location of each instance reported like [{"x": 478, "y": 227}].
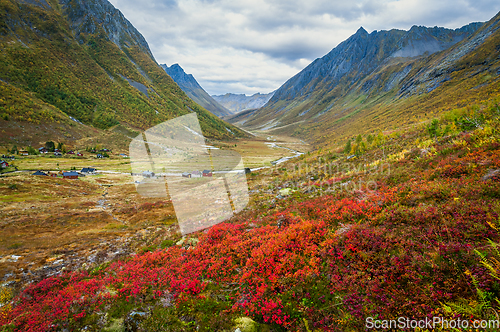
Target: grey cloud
[
  {"x": 283, "y": 34},
  {"x": 289, "y": 51},
  {"x": 349, "y": 10}
]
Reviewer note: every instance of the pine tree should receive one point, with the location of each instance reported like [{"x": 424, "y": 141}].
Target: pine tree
[{"x": 347, "y": 148}]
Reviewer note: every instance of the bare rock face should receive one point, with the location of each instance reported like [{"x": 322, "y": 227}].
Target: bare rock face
[
  {"x": 492, "y": 174},
  {"x": 89, "y": 16}
]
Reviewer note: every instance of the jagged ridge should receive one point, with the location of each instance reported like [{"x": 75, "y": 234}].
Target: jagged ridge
[
  {"x": 193, "y": 89},
  {"x": 241, "y": 102}
]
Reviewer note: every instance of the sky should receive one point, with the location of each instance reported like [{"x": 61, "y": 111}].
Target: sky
[{"x": 250, "y": 46}]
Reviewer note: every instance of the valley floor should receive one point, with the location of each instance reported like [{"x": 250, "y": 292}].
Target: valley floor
[{"x": 49, "y": 225}]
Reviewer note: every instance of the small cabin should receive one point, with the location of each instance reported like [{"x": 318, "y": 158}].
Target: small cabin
[
  {"x": 207, "y": 173},
  {"x": 70, "y": 175},
  {"x": 70, "y": 152},
  {"x": 43, "y": 150},
  {"x": 24, "y": 153},
  {"x": 88, "y": 170},
  {"x": 57, "y": 153},
  {"x": 196, "y": 174},
  {"x": 4, "y": 164},
  {"x": 40, "y": 173},
  {"x": 79, "y": 154},
  {"x": 186, "y": 175}
]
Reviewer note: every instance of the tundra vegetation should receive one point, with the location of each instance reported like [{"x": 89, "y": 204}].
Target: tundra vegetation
[{"x": 408, "y": 227}]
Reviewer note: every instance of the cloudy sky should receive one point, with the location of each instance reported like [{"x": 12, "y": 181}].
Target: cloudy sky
[{"x": 250, "y": 46}]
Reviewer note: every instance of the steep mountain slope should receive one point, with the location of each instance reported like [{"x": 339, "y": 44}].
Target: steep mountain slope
[
  {"x": 359, "y": 55},
  {"x": 240, "y": 102},
  {"x": 84, "y": 60},
  {"x": 190, "y": 86},
  {"x": 383, "y": 80}
]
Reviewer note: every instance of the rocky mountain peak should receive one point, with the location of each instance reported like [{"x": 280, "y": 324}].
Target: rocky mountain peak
[
  {"x": 180, "y": 76},
  {"x": 89, "y": 16},
  {"x": 361, "y": 31},
  {"x": 193, "y": 89}
]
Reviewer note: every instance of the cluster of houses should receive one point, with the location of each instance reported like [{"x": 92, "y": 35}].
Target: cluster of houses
[
  {"x": 57, "y": 152},
  {"x": 205, "y": 173},
  {"x": 197, "y": 174},
  {"x": 68, "y": 174},
  {"x": 103, "y": 153},
  {"x": 78, "y": 154},
  {"x": 193, "y": 174}
]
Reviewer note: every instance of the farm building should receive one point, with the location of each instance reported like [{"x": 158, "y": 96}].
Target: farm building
[
  {"x": 196, "y": 174},
  {"x": 70, "y": 175},
  {"x": 88, "y": 170},
  {"x": 4, "y": 164},
  {"x": 207, "y": 173},
  {"x": 186, "y": 175},
  {"x": 148, "y": 174},
  {"x": 40, "y": 173}
]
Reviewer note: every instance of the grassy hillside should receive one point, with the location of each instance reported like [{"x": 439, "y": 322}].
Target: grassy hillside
[
  {"x": 408, "y": 227},
  {"x": 59, "y": 67}
]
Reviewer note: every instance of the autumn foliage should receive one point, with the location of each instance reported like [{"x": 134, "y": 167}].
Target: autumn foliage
[{"x": 405, "y": 249}]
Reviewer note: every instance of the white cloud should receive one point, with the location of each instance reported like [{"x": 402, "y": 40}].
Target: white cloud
[{"x": 248, "y": 46}]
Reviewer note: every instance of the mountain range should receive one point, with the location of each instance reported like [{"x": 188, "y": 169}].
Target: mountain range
[
  {"x": 241, "y": 102},
  {"x": 192, "y": 88},
  {"x": 384, "y": 80},
  {"x": 220, "y": 105},
  {"x": 74, "y": 69}
]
